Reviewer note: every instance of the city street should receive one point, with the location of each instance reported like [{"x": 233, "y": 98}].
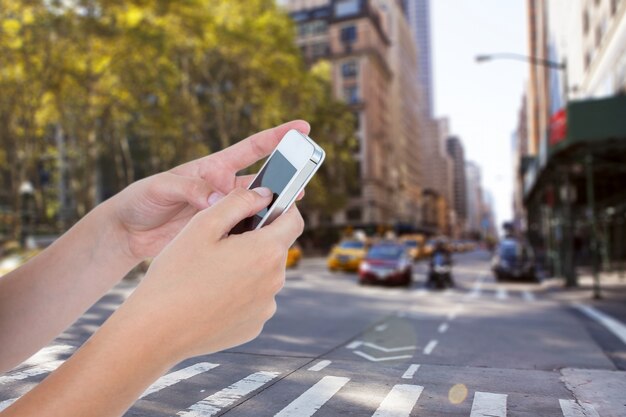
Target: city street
[{"x": 335, "y": 348}]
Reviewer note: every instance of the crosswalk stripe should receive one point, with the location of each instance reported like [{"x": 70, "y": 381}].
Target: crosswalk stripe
[
  {"x": 34, "y": 371},
  {"x": 528, "y": 296},
  {"x": 6, "y": 403},
  {"x": 213, "y": 404},
  {"x": 314, "y": 398},
  {"x": 487, "y": 404},
  {"x": 177, "y": 376},
  {"x": 400, "y": 401},
  {"x": 320, "y": 365},
  {"x": 613, "y": 325},
  {"x": 502, "y": 294},
  {"x": 443, "y": 327},
  {"x": 410, "y": 372},
  {"x": 572, "y": 408}
]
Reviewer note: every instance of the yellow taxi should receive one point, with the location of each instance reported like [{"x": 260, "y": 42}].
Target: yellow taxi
[
  {"x": 414, "y": 245},
  {"x": 429, "y": 248},
  {"x": 347, "y": 255},
  {"x": 294, "y": 255}
]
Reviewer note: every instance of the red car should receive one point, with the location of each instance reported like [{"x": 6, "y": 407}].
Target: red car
[{"x": 386, "y": 263}]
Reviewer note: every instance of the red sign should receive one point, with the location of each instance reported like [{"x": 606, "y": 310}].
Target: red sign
[{"x": 558, "y": 127}]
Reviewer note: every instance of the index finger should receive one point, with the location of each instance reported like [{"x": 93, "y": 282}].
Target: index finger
[{"x": 248, "y": 151}]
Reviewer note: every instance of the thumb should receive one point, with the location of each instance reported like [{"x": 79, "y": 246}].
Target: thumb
[{"x": 236, "y": 206}]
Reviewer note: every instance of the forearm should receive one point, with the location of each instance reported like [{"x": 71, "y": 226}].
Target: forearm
[
  {"x": 47, "y": 294},
  {"x": 105, "y": 377}
]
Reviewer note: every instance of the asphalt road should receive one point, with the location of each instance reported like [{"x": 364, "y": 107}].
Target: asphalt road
[{"x": 335, "y": 348}]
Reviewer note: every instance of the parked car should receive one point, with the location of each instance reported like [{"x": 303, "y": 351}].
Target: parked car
[
  {"x": 514, "y": 260},
  {"x": 294, "y": 255},
  {"x": 347, "y": 255},
  {"x": 386, "y": 263}
]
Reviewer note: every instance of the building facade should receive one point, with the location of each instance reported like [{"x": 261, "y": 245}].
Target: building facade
[
  {"x": 474, "y": 189},
  {"x": 459, "y": 184},
  {"x": 374, "y": 58}
]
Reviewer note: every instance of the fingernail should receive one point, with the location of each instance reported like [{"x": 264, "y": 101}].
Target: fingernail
[
  {"x": 214, "y": 198},
  {"x": 263, "y": 191}
]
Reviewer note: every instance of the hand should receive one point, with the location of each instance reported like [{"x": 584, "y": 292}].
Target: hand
[
  {"x": 207, "y": 292},
  {"x": 151, "y": 212}
]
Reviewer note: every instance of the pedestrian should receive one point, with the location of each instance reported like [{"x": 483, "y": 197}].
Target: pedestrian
[{"x": 204, "y": 292}]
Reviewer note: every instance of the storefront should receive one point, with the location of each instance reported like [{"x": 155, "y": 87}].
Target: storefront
[{"x": 575, "y": 191}]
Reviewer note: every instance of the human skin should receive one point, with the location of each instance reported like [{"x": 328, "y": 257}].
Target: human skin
[{"x": 204, "y": 291}]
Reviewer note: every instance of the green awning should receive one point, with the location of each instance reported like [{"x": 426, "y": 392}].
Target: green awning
[{"x": 590, "y": 122}]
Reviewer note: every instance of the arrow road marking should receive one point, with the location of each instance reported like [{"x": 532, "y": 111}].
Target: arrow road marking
[
  {"x": 572, "y": 408},
  {"x": 314, "y": 398},
  {"x": 358, "y": 343},
  {"x": 487, "y": 404},
  {"x": 400, "y": 401},
  {"x": 388, "y": 358}
]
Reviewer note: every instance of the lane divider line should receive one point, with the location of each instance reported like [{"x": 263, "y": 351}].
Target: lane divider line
[
  {"x": 486, "y": 404},
  {"x": 430, "y": 347},
  {"x": 213, "y": 404},
  {"x": 572, "y": 408},
  {"x": 443, "y": 327},
  {"x": 411, "y": 370},
  {"x": 320, "y": 365},
  {"x": 314, "y": 398},
  {"x": 613, "y": 325},
  {"x": 400, "y": 401}
]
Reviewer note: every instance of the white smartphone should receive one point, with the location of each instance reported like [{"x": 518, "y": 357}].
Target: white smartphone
[{"x": 286, "y": 172}]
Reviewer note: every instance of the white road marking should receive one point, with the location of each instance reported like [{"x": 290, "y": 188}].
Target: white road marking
[
  {"x": 358, "y": 343},
  {"x": 613, "y": 325},
  {"x": 177, "y": 376},
  {"x": 476, "y": 290},
  {"x": 572, "y": 408},
  {"x": 487, "y": 404},
  {"x": 401, "y": 314},
  {"x": 502, "y": 294},
  {"x": 354, "y": 344},
  {"x": 420, "y": 292},
  {"x": 410, "y": 372},
  {"x": 443, "y": 327},
  {"x": 27, "y": 373},
  {"x": 381, "y": 327},
  {"x": 319, "y": 366},
  {"x": 213, "y": 404},
  {"x": 314, "y": 398},
  {"x": 528, "y": 296},
  {"x": 6, "y": 403},
  {"x": 48, "y": 354},
  {"x": 400, "y": 401},
  {"x": 388, "y": 358},
  {"x": 452, "y": 315},
  {"x": 430, "y": 347}
]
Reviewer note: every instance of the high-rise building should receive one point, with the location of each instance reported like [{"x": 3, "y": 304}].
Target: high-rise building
[
  {"x": 474, "y": 197},
  {"x": 459, "y": 184},
  {"x": 418, "y": 14},
  {"x": 373, "y": 61}
]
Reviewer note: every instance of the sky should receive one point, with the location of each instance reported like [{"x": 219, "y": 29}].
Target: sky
[{"x": 481, "y": 100}]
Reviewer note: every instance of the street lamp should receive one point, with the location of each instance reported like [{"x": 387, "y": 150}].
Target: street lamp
[{"x": 519, "y": 57}]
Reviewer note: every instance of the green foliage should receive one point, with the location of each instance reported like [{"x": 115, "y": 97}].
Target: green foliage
[{"x": 133, "y": 87}]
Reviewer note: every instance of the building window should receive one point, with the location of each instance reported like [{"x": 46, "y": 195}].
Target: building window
[
  {"x": 598, "y": 35},
  {"x": 319, "y": 50},
  {"x": 344, "y": 8},
  {"x": 587, "y": 59},
  {"x": 354, "y": 215},
  {"x": 351, "y": 94},
  {"x": 585, "y": 22},
  {"x": 319, "y": 27},
  {"x": 348, "y": 34},
  {"x": 349, "y": 69}
]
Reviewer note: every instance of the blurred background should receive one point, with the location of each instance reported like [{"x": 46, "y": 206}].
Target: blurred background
[{"x": 421, "y": 139}]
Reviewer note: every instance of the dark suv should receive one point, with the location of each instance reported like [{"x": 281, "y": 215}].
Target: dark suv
[{"x": 514, "y": 260}]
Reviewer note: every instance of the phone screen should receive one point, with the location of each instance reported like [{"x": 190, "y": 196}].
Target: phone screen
[{"x": 275, "y": 175}]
